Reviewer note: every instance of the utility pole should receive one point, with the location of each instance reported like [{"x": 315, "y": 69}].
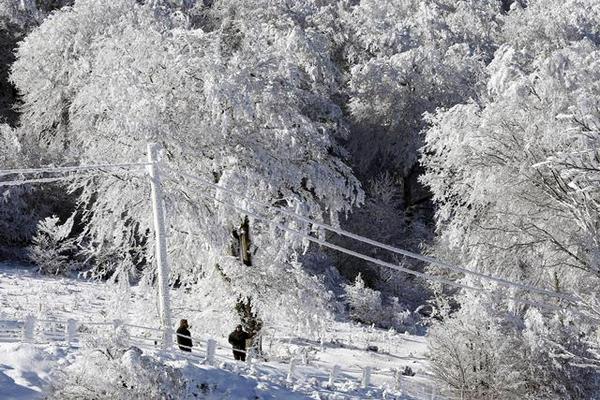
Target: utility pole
[{"x": 162, "y": 267}]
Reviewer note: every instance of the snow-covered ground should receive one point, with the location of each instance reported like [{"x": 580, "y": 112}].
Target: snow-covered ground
[{"x": 25, "y": 368}]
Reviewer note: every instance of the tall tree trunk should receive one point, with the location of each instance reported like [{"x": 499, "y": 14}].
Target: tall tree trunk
[{"x": 244, "y": 308}]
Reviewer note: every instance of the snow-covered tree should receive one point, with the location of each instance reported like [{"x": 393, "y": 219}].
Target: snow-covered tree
[
  {"x": 22, "y": 206},
  {"x": 383, "y": 217},
  {"x": 527, "y": 155},
  {"x": 246, "y": 105},
  {"x": 515, "y": 174},
  {"x": 365, "y": 304},
  {"x": 408, "y": 57},
  {"x": 488, "y": 350},
  {"x": 368, "y": 306},
  {"x": 17, "y": 18},
  {"x": 401, "y": 59}
]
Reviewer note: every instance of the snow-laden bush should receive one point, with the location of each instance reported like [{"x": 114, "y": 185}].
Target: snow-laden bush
[
  {"x": 367, "y": 306},
  {"x": 116, "y": 373},
  {"x": 52, "y": 249},
  {"x": 397, "y": 316},
  {"x": 485, "y": 351},
  {"x": 365, "y": 303},
  {"x": 472, "y": 355},
  {"x": 565, "y": 364}
]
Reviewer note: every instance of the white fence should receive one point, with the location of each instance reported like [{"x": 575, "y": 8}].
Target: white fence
[{"x": 68, "y": 333}]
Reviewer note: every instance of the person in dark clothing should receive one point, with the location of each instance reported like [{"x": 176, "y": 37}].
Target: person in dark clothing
[
  {"x": 237, "y": 339},
  {"x": 184, "y": 340}
]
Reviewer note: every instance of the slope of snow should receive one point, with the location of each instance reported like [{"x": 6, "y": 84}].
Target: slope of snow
[{"x": 25, "y": 368}]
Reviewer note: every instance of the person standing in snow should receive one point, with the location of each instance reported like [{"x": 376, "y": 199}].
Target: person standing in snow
[
  {"x": 237, "y": 339},
  {"x": 184, "y": 340}
]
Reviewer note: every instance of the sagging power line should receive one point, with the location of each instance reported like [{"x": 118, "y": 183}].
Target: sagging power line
[
  {"x": 372, "y": 242},
  {"x": 376, "y": 261}
]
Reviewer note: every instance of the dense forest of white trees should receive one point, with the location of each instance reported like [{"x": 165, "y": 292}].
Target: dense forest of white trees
[{"x": 468, "y": 130}]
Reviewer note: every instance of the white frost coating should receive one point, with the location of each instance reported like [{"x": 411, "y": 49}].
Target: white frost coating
[
  {"x": 29, "y": 328},
  {"x": 333, "y": 375},
  {"x": 71, "y": 331},
  {"x": 292, "y": 369},
  {"x": 37, "y": 180},
  {"x": 162, "y": 267}
]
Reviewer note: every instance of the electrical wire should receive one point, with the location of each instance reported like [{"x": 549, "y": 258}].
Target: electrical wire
[
  {"x": 372, "y": 242},
  {"x": 75, "y": 168},
  {"x": 376, "y": 261}
]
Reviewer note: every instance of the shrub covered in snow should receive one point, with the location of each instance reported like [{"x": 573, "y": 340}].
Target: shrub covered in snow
[
  {"x": 365, "y": 303},
  {"x": 484, "y": 352},
  {"x": 367, "y": 306},
  {"x": 116, "y": 373},
  {"x": 52, "y": 249}
]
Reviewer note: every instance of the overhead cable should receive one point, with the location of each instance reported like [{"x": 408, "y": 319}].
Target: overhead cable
[{"x": 372, "y": 242}]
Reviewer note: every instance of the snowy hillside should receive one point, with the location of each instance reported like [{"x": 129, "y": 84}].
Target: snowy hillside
[{"x": 27, "y": 368}]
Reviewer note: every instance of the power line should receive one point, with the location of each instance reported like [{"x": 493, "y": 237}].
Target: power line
[
  {"x": 42, "y": 180},
  {"x": 285, "y": 228},
  {"x": 330, "y": 228},
  {"x": 368, "y": 258},
  {"x": 18, "y": 182},
  {"x": 338, "y": 248},
  {"x": 372, "y": 242},
  {"x": 75, "y": 168}
]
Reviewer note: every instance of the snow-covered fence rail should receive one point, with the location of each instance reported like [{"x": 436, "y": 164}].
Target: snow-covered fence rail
[
  {"x": 69, "y": 332},
  {"x": 39, "y": 331}
]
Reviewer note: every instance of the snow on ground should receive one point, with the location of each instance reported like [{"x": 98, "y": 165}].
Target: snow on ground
[{"x": 25, "y": 368}]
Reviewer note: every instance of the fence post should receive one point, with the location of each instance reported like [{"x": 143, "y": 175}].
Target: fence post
[
  {"x": 162, "y": 266},
  {"x": 333, "y": 374},
  {"x": 121, "y": 335},
  {"x": 249, "y": 353},
  {"x": 399, "y": 382},
  {"x": 304, "y": 356},
  {"x": 28, "y": 328},
  {"x": 211, "y": 348},
  {"x": 291, "y": 370},
  {"x": 366, "y": 377},
  {"x": 71, "y": 332}
]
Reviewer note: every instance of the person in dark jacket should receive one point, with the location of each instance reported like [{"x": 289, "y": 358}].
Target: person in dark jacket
[
  {"x": 184, "y": 340},
  {"x": 237, "y": 339}
]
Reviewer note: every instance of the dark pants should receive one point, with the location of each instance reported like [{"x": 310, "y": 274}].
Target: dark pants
[{"x": 239, "y": 354}]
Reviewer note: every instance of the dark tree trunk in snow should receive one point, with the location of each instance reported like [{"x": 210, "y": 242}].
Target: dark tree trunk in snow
[{"x": 244, "y": 308}]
